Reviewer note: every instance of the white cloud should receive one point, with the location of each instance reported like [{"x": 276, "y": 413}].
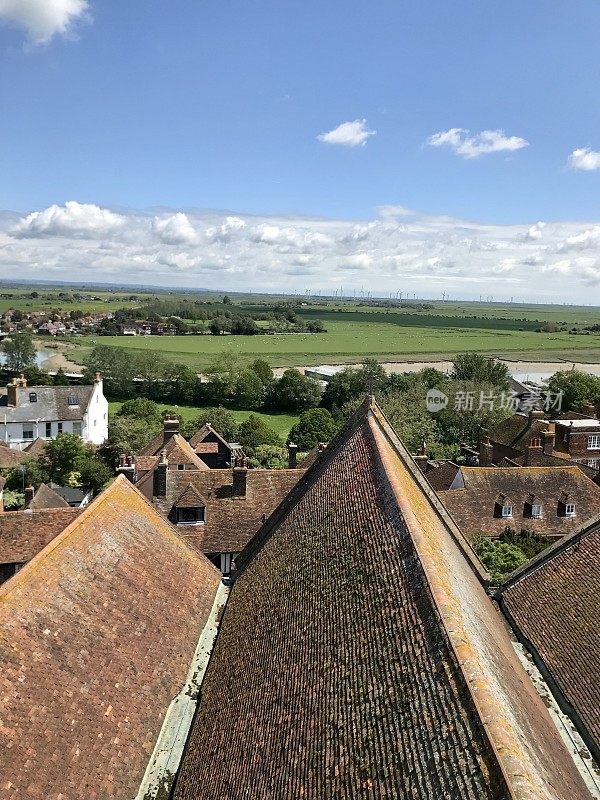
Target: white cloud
[
  {"x": 349, "y": 134},
  {"x": 387, "y": 253},
  {"x": 535, "y": 232},
  {"x": 73, "y": 219},
  {"x": 43, "y": 18},
  {"x": 584, "y": 159},
  {"x": 174, "y": 230},
  {"x": 583, "y": 241},
  {"x": 463, "y": 144}
]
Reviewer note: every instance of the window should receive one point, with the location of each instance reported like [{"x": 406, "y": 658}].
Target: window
[
  {"x": 536, "y": 511},
  {"x": 73, "y": 400},
  {"x": 593, "y": 462},
  {"x": 77, "y": 428},
  {"x": 48, "y": 430},
  {"x": 190, "y": 516},
  {"x": 32, "y": 397},
  {"x": 507, "y": 512},
  {"x": 594, "y": 442},
  {"x": 28, "y": 430},
  {"x": 59, "y": 427},
  {"x": 569, "y": 509},
  {"x": 180, "y": 466}
]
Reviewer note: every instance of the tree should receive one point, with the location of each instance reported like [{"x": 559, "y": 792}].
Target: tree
[
  {"x": 19, "y": 351},
  {"x": 35, "y": 376},
  {"x": 315, "y": 326},
  {"x": 578, "y": 389},
  {"x": 126, "y": 435},
  {"x": 13, "y": 499},
  {"x": 478, "y": 368},
  {"x": 68, "y": 461},
  {"x": 60, "y": 379},
  {"x": 254, "y": 432},
  {"x": 244, "y": 326},
  {"x": 249, "y": 390},
  {"x": 408, "y": 415},
  {"x": 143, "y": 409},
  {"x": 226, "y": 301},
  {"x": 499, "y": 558},
  {"x": 269, "y": 456},
  {"x": 263, "y": 370},
  {"x": 293, "y": 392},
  {"x": 220, "y": 419},
  {"x": 314, "y": 426}
]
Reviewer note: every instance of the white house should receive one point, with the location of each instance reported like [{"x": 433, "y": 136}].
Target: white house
[{"x": 28, "y": 413}]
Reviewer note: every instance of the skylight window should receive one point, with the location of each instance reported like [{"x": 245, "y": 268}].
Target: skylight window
[
  {"x": 73, "y": 400},
  {"x": 32, "y": 397}
]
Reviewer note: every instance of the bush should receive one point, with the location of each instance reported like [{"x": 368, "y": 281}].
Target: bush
[
  {"x": 498, "y": 557},
  {"x": 254, "y": 432},
  {"x": 293, "y": 392}
]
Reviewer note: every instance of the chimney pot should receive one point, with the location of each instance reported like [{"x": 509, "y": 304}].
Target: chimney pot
[
  {"x": 170, "y": 428},
  {"x": 160, "y": 476},
  {"x": 240, "y": 478}
]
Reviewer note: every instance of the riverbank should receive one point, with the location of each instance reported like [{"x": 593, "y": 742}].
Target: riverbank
[{"x": 59, "y": 359}]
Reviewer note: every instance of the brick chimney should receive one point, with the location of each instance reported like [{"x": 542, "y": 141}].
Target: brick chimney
[
  {"x": 548, "y": 439},
  {"x": 486, "y": 452},
  {"x": 533, "y": 453},
  {"x": 29, "y": 495},
  {"x": 127, "y": 467},
  {"x": 590, "y": 410},
  {"x": 292, "y": 455},
  {"x": 170, "y": 428},
  {"x": 240, "y": 478},
  {"x": 535, "y": 414},
  {"x": 12, "y": 391},
  {"x": 160, "y": 476}
]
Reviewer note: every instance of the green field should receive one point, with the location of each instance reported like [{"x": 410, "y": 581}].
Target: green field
[
  {"x": 281, "y": 423},
  {"x": 350, "y": 340}
]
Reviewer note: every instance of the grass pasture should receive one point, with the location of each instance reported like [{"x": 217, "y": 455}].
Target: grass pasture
[
  {"x": 281, "y": 423},
  {"x": 350, "y": 339}
]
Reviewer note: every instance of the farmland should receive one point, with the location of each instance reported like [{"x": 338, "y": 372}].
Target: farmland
[{"x": 354, "y": 333}]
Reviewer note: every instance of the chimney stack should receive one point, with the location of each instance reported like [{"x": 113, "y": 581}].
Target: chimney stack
[
  {"x": 590, "y": 410},
  {"x": 240, "y": 477},
  {"x": 12, "y": 391},
  {"x": 292, "y": 455},
  {"x": 535, "y": 414},
  {"x": 548, "y": 439},
  {"x": 29, "y": 495},
  {"x": 533, "y": 453},
  {"x": 127, "y": 467},
  {"x": 170, "y": 428},
  {"x": 486, "y": 452},
  {"x": 160, "y": 476}
]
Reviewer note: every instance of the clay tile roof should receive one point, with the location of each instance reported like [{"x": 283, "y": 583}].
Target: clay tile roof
[
  {"x": 230, "y": 521},
  {"x": 154, "y": 445},
  {"x": 24, "y": 533},
  {"x": 190, "y": 498},
  {"x": 145, "y": 463},
  {"x": 45, "y": 497},
  {"x": 97, "y": 636},
  {"x": 207, "y": 447},
  {"x": 10, "y": 458},
  {"x": 205, "y": 431},
  {"x": 179, "y": 451},
  {"x": 361, "y": 657},
  {"x": 473, "y": 506},
  {"x": 442, "y": 477},
  {"x": 36, "y": 448},
  {"x": 553, "y": 603},
  {"x": 518, "y": 430}
]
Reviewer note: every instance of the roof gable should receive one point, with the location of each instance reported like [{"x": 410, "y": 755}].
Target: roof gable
[
  {"x": 400, "y": 678},
  {"x": 45, "y": 497}
]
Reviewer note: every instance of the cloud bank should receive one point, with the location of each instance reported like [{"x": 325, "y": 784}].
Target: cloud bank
[
  {"x": 397, "y": 250},
  {"x": 463, "y": 144},
  {"x": 43, "y": 19}
]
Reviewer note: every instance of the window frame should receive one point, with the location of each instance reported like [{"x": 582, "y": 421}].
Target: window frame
[
  {"x": 570, "y": 510},
  {"x": 593, "y": 442},
  {"x": 506, "y": 511},
  {"x": 28, "y": 431},
  {"x": 538, "y": 514},
  {"x": 199, "y": 517},
  {"x": 48, "y": 430}
]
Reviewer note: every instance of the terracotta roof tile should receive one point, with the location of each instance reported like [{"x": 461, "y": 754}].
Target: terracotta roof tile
[
  {"x": 96, "y": 638},
  {"x": 24, "y": 533},
  {"x": 360, "y": 655},
  {"x": 45, "y": 497},
  {"x": 474, "y": 506},
  {"x": 554, "y": 604}
]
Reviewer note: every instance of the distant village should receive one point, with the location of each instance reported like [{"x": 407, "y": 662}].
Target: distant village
[{"x": 453, "y": 601}]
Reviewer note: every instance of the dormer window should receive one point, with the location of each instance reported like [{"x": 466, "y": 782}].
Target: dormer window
[
  {"x": 191, "y": 516},
  {"x": 32, "y": 397},
  {"x": 507, "y": 512},
  {"x": 569, "y": 509},
  {"x": 536, "y": 511}
]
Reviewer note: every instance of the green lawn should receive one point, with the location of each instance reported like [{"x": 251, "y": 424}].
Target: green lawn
[{"x": 281, "y": 423}]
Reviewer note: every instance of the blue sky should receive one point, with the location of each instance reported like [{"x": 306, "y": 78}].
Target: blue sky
[{"x": 219, "y": 105}]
